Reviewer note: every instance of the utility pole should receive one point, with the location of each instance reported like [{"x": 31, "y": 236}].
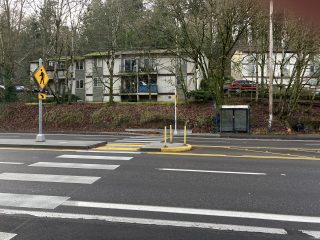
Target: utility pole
[{"x": 271, "y": 68}]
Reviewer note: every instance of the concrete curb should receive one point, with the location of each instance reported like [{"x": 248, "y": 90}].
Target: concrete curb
[{"x": 176, "y": 149}]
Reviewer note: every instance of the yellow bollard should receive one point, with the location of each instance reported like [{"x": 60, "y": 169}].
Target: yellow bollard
[
  {"x": 170, "y": 133},
  {"x": 165, "y": 136},
  {"x": 185, "y": 135}
]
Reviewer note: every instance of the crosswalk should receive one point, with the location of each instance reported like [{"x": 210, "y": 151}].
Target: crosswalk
[
  {"x": 133, "y": 143},
  {"x": 43, "y": 172}
]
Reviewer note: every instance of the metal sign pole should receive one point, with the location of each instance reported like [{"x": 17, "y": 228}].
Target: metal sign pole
[
  {"x": 40, "y": 136},
  {"x": 175, "y": 113}
]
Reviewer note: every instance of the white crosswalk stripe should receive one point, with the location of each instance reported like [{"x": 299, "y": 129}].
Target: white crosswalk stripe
[
  {"x": 31, "y": 201},
  {"x": 7, "y": 236},
  {"x": 48, "y": 178},
  {"x": 74, "y": 165},
  {"x": 116, "y": 158}
]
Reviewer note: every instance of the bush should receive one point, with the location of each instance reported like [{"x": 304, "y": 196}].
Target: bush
[
  {"x": 119, "y": 120},
  {"x": 100, "y": 117},
  {"x": 109, "y": 117},
  {"x": 3, "y": 111},
  {"x": 201, "y": 95},
  {"x": 10, "y": 94},
  {"x": 68, "y": 118},
  {"x": 156, "y": 118}
]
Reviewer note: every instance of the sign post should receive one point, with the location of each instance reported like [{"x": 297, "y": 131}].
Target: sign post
[
  {"x": 41, "y": 76},
  {"x": 175, "y": 132}
]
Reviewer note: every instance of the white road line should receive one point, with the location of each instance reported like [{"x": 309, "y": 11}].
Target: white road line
[
  {"x": 117, "y": 152},
  {"x": 7, "y": 236},
  {"x": 144, "y": 221},
  {"x": 135, "y": 141},
  {"x": 31, "y": 201},
  {"x": 48, "y": 178},
  {"x": 315, "y": 234},
  {"x": 145, "y": 137},
  {"x": 12, "y": 163},
  {"x": 75, "y": 165},
  {"x": 208, "y": 171},
  {"x": 95, "y": 157},
  {"x": 316, "y": 144},
  {"x": 195, "y": 211}
]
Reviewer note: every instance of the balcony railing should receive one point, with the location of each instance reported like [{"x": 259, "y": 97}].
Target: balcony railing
[
  {"x": 152, "y": 88},
  {"x": 149, "y": 69}
]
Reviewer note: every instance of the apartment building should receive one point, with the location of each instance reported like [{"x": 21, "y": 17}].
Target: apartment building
[
  {"x": 137, "y": 76},
  {"x": 248, "y": 65}
]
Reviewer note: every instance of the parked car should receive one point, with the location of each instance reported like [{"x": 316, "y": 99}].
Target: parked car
[
  {"x": 242, "y": 85},
  {"x": 21, "y": 88}
]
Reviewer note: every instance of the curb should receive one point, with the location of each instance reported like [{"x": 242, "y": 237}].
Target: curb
[{"x": 176, "y": 149}]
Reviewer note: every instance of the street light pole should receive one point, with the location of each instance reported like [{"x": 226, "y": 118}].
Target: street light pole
[{"x": 271, "y": 67}]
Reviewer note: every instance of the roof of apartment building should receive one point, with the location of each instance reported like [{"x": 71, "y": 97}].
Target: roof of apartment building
[{"x": 131, "y": 52}]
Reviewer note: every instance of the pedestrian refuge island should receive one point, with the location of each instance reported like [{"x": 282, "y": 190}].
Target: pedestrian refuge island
[{"x": 235, "y": 118}]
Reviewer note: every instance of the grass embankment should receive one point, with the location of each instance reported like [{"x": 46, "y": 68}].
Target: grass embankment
[{"x": 83, "y": 117}]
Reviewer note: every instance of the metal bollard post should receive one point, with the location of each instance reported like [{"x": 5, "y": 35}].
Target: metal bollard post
[
  {"x": 170, "y": 133},
  {"x": 185, "y": 135},
  {"x": 165, "y": 136}
]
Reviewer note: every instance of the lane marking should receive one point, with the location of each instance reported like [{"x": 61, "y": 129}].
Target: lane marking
[
  {"x": 195, "y": 211},
  {"x": 31, "y": 201},
  {"x": 95, "y": 157},
  {"x": 115, "y": 152},
  {"x": 125, "y": 144},
  {"x": 255, "y": 139},
  {"x": 145, "y": 221},
  {"x": 75, "y": 165},
  {"x": 209, "y": 171},
  {"x": 48, "y": 178},
  {"x": 12, "y": 163},
  {"x": 7, "y": 236},
  {"x": 136, "y": 141},
  {"x": 315, "y": 234},
  {"x": 117, "y": 148},
  {"x": 255, "y": 147},
  {"x": 234, "y": 156}
]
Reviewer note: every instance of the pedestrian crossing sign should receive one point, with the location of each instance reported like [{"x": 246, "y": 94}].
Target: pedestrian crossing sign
[{"x": 41, "y": 76}]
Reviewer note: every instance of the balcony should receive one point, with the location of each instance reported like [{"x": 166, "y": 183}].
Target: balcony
[{"x": 142, "y": 90}]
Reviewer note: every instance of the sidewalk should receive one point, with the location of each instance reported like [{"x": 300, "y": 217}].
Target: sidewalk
[{"x": 60, "y": 144}]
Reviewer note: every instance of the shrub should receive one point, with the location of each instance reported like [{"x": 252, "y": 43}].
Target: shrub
[
  {"x": 161, "y": 119},
  {"x": 3, "y": 111},
  {"x": 110, "y": 117},
  {"x": 99, "y": 118},
  {"x": 201, "y": 95},
  {"x": 67, "y": 118},
  {"x": 119, "y": 120}
]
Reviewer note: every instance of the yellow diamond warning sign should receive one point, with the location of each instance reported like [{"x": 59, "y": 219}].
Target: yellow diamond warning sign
[
  {"x": 41, "y": 76},
  {"x": 42, "y": 96}
]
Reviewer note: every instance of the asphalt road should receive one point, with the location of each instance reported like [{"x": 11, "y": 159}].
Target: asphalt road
[{"x": 223, "y": 189}]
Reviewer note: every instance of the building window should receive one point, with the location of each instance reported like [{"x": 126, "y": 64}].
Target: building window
[
  {"x": 98, "y": 62},
  {"x": 51, "y": 64},
  {"x": 79, "y": 84},
  {"x": 97, "y": 82},
  {"x": 61, "y": 65},
  {"x": 130, "y": 65},
  {"x": 79, "y": 65}
]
